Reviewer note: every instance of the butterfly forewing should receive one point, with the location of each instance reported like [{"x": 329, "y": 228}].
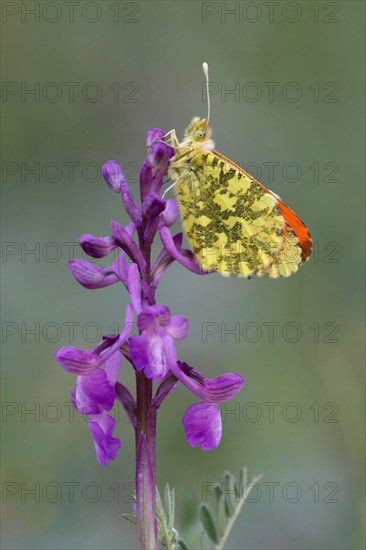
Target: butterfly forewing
[{"x": 234, "y": 224}]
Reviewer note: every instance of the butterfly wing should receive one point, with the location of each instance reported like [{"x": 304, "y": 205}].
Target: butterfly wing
[
  {"x": 234, "y": 226},
  {"x": 294, "y": 223}
]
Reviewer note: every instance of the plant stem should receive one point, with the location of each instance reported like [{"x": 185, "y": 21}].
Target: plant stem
[
  {"x": 145, "y": 465},
  {"x": 147, "y": 529},
  {"x": 234, "y": 517}
]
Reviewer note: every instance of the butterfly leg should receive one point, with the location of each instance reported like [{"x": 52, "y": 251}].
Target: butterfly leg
[
  {"x": 186, "y": 179},
  {"x": 174, "y": 139},
  {"x": 168, "y": 188}
]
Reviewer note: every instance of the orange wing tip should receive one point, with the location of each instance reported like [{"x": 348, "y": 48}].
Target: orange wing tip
[{"x": 300, "y": 230}]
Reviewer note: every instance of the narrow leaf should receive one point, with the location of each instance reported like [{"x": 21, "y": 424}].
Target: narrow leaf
[
  {"x": 130, "y": 517},
  {"x": 217, "y": 492},
  {"x": 229, "y": 509},
  {"x": 169, "y": 498},
  {"x": 230, "y": 501},
  {"x": 244, "y": 477},
  {"x": 208, "y": 523},
  {"x": 168, "y": 505},
  {"x": 204, "y": 541},
  {"x": 161, "y": 518}
]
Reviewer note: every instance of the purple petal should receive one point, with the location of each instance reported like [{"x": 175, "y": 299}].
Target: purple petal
[
  {"x": 153, "y": 205},
  {"x": 93, "y": 393},
  {"x": 92, "y": 276},
  {"x": 126, "y": 242},
  {"x": 213, "y": 390},
  {"x": 202, "y": 425},
  {"x": 132, "y": 208},
  {"x": 157, "y": 163},
  {"x": 130, "y": 228},
  {"x": 222, "y": 388},
  {"x": 139, "y": 351},
  {"x": 170, "y": 214},
  {"x": 191, "y": 372},
  {"x": 77, "y": 361},
  {"x": 164, "y": 260},
  {"x": 97, "y": 247},
  {"x": 193, "y": 384},
  {"x": 147, "y": 179},
  {"x": 154, "y": 134},
  {"x": 153, "y": 317},
  {"x": 133, "y": 287},
  {"x": 168, "y": 242},
  {"x": 178, "y": 327},
  {"x": 113, "y": 175},
  {"x": 106, "y": 446},
  {"x": 159, "y": 153},
  {"x": 112, "y": 367},
  {"x": 148, "y": 354},
  {"x": 150, "y": 230},
  {"x": 120, "y": 267}
]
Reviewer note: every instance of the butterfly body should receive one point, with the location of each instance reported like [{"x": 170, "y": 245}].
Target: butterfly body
[{"x": 234, "y": 224}]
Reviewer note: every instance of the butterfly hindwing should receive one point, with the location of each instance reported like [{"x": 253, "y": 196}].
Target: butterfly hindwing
[{"x": 233, "y": 225}]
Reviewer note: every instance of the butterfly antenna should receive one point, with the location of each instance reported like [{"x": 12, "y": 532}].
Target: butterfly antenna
[{"x": 205, "y": 71}]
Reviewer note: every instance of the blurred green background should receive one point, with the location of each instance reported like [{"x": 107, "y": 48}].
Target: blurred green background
[{"x": 298, "y": 72}]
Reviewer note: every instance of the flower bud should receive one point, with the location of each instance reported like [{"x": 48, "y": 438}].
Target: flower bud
[
  {"x": 97, "y": 247},
  {"x": 92, "y": 276},
  {"x": 113, "y": 175}
]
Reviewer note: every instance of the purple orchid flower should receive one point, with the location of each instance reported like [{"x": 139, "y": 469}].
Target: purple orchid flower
[
  {"x": 94, "y": 395},
  {"x": 157, "y": 330},
  {"x": 152, "y": 353}
]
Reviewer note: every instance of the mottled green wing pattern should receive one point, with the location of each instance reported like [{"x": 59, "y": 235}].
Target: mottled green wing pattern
[{"x": 233, "y": 225}]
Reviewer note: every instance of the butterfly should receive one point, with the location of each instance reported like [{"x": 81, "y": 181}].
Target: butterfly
[{"x": 234, "y": 224}]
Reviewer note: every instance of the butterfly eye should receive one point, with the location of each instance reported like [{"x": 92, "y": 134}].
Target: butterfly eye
[{"x": 200, "y": 134}]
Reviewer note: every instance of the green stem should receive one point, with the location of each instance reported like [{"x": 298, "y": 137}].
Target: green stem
[{"x": 237, "y": 511}]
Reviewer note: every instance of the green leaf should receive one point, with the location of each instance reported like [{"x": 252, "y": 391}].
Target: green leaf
[
  {"x": 217, "y": 492},
  {"x": 208, "y": 523},
  {"x": 181, "y": 545},
  {"x": 227, "y": 501},
  {"x": 130, "y": 517},
  {"x": 244, "y": 477},
  {"x": 168, "y": 536},
  {"x": 169, "y": 495},
  {"x": 161, "y": 519},
  {"x": 204, "y": 541},
  {"x": 230, "y": 499},
  {"x": 229, "y": 509},
  {"x": 238, "y": 491}
]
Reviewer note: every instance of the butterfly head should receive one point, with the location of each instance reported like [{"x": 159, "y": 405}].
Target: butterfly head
[{"x": 198, "y": 134}]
